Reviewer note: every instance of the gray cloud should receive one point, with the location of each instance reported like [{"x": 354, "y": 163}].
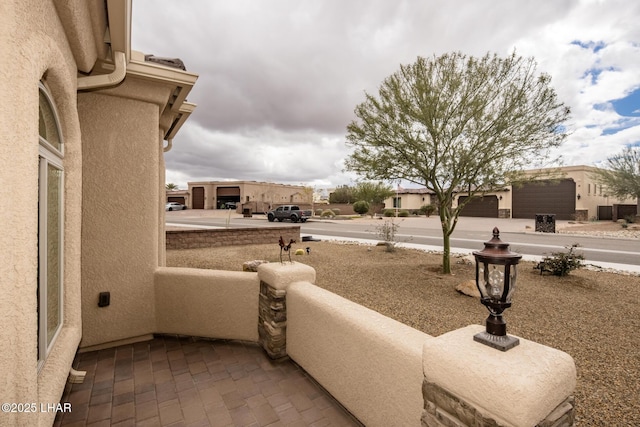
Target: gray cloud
[{"x": 279, "y": 80}]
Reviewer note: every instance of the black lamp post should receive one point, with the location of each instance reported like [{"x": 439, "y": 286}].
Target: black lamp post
[{"x": 496, "y": 281}]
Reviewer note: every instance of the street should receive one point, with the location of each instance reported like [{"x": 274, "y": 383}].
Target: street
[{"x": 425, "y": 233}]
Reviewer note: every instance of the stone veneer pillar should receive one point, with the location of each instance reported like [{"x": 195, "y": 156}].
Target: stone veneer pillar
[
  {"x": 275, "y": 278},
  {"x": 467, "y": 383}
]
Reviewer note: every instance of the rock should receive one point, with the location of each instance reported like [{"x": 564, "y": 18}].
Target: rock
[
  {"x": 468, "y": 288},
  {"x": 253, "y": 265},
  {"x": 466, "y": 260}
]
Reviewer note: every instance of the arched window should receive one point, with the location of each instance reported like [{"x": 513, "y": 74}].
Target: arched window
[{"x": 50, "y": 226}]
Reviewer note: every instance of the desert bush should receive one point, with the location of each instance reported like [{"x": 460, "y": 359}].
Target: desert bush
[
  {"x": 318, "y": 212},
  {"x": 630, "y": 219},
  {"x": 389, "y": 212},
  {"x": 403, "y": 213},
  {"x": 361, "y": 207},
  {"x": 387, "y": 232},
  {"x": 562, "y": 263},
  {"x": 327, "y": 213},
  {"x": 336, "y": 211},
  {"x": 427, "y": 210}
]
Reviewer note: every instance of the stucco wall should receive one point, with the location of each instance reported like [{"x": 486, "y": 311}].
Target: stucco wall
[
  {"x": 29, "y": 56},
  {"x": 259, "y": 194},
  {"x": 207, "y": 303},
  {"x": 372, "y": 364},
  {"x": 121, "y": 216}
]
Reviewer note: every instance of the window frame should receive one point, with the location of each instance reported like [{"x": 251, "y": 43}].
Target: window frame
[{"x": 49, "y": 156}]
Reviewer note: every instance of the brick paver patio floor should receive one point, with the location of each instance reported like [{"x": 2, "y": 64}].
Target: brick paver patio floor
[{"x": 180, "y": 381}]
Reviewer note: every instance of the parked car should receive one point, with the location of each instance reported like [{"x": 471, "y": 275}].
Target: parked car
[
  {"x": 230, "y": 205},
  {"x": 174, "y": 206},
  {"x": 292, "y": 212}
]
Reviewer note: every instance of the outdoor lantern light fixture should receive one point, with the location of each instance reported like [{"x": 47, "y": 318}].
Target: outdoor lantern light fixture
[{"x": 496, "y": 281}]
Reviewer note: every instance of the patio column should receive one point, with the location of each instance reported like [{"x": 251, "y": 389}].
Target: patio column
[
  {"x": 469, "y": 383},
  {"x": 275, "y": 278}
]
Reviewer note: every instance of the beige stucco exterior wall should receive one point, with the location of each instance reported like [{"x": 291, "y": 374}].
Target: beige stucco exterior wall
[
  {"x": 122, "y": 162},
  {"x": 409, "y": 201},
  {"x": 266, "y": 193},
  {"x": 591, "y": 193},
  {"x": 207, "y": 303},
  {"x": 29, "y": 56}
]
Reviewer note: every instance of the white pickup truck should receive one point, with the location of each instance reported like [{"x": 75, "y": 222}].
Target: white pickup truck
[{"x": 292, "y": 212}]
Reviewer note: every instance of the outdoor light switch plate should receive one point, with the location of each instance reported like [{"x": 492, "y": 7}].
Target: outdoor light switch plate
[{"x": 104, "y": 299}]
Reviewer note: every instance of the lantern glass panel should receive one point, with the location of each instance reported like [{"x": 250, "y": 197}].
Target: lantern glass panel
[
  {"x": 512, "y": 281},
  {"x": 491, "y": 280}
]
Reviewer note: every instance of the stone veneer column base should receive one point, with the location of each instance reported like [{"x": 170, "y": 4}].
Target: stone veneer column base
[
  {"x": 275, "y": 278},
  {"x": 442, "y": 409},
  {"x": 272, "y": 321}
]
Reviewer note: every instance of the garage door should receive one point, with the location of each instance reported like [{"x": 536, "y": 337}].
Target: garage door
[
  {"x": 176, "y": 199},
  {"x": 198, "y": 197},
  {"x": 228, "y": 191},
  {"x": 486, "y": 207},
  {"x": 605, "y": 213},
  {"x": 227, "y": 195},
  {"x": 545, "y": 197}
]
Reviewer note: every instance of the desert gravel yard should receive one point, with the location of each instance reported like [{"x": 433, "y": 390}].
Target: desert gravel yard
[{"x": 594, "y": 316}]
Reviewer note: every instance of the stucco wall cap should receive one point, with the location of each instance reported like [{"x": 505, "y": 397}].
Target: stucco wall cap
[
  {"x": 280, "y": 275},
  {"x": 519, "y": 387}
]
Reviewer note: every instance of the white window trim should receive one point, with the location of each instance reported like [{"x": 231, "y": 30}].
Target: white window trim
[{"x": 49, "y": 155}]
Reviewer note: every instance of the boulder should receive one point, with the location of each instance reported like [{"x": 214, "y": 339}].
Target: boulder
[
  {"x": 468, "y": 288},
  {"x": 253, "y": 265}
]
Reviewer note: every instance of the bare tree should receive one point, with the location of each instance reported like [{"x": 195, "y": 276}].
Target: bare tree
[{"x": 457, "y": 123}]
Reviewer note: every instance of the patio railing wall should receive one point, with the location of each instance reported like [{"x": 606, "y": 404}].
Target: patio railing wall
[{"x": 384, "y": 372}]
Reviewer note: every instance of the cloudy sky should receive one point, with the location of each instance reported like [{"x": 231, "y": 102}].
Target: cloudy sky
[{"x": 279, "y": 79}]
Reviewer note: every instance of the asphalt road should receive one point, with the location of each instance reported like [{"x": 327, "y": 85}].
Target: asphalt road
[{"x": 469, "y": 235}]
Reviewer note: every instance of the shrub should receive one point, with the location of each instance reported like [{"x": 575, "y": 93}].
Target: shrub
[
  {"x": 403, "y": 213},
  {"x": 630, "y": 219},
  {"x": 387, "y": 232},
  {"x": 361, "y": 207},
  {"x": 327, "y": 213},
  {"x": 427, "y": 210},
  {"x": 336, "y": 211},
  {"x": 389, "y": 212},
  {"x": 318, "y": 212},
  {"x": 562, "y": 263}
]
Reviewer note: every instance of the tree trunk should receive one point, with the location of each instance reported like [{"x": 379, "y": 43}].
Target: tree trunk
[
  {"x": 445, "y": 222},
  {"x": 446, "y": 252}
]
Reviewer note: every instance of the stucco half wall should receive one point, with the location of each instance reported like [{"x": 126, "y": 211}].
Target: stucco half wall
[
  {"x": 371, "y": 363},
  {"x": 207, "y": 303}
]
